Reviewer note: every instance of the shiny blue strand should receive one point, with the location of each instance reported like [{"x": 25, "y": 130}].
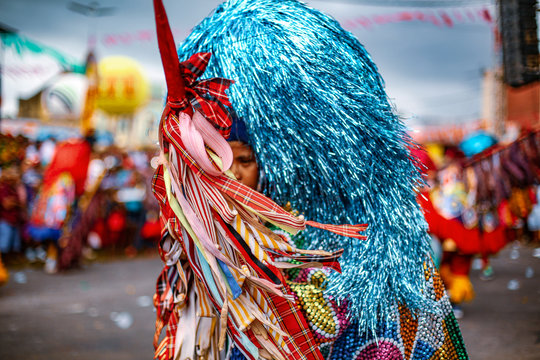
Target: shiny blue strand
[{"x": 328, "y": 140}]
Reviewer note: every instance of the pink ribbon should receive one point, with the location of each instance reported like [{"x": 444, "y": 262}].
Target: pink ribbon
[{"x": 196, "y": 132}]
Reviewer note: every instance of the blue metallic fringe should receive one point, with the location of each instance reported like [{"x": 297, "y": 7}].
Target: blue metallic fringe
[{"x": 328, "y": 140}]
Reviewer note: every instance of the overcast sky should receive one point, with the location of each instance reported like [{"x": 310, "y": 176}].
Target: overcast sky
[{"x": 433, "y": 73}]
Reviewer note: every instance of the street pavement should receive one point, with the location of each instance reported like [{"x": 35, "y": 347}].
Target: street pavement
[
  {"x": 503, "y": 321},
  {"x": 104, "y": 311}
]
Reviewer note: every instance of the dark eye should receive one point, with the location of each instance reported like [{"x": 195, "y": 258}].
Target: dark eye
[{"x": 244, "y": 160}]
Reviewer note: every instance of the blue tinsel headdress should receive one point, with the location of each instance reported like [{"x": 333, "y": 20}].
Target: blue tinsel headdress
[{"x": 327, "y": 139}]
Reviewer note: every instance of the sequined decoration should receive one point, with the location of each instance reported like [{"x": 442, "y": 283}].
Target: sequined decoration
[
  {"x": 404, "y": 336},
  {"x": 325, "y": 317}
]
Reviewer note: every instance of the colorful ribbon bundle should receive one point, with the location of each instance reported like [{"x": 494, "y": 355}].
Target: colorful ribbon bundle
[{"x": 221, "y": 260}]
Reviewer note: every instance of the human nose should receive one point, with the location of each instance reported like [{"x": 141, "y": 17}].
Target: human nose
[{"x": 236, "y": 171}]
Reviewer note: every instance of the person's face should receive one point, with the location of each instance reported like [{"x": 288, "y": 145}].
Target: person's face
[{"x": 244, "y": 165}]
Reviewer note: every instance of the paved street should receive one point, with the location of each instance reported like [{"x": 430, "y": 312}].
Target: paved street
[
  {"x": 104, "y": 311},
  {"x": 503, "y": 322}
]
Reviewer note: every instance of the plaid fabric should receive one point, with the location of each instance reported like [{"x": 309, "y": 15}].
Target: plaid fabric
[
  {"x": 268, "y": 272},
  {"x": 158, "y": 186},
  {"x": 165, "y": 351},
  {"x": 343, "y": 230},
  {"x": 207, "y": 96},
  {"x": 164, "y": 298},
  {"x": 301, "y": 344}
]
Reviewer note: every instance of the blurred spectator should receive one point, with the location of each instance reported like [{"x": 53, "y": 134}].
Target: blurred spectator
[
  {"x": 32, "y": 153},
  {"x": 11, "y": 210},
  {"x": 151, "y": 230},
  {"x": 132, "y": 197},
  {"x": 63, "y": 183},
  {"x": 116, "y": 226},
  {"x": 73, "y": 157},
  {"x": 12, "y": 150},
  {"x": 31, "y": 179},
  {"x": 46, "y": 151},
  {"x": 96, "y": 170},
  {"x": 81, "y": 200}
]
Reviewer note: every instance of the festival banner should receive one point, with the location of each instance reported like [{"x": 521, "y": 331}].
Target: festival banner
[{"x": 439, "y": 17}]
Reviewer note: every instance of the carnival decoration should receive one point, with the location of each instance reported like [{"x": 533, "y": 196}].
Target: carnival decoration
[
  {"x": 328, "y": 142},
  {"x": 122, "y": 85},
  {"x": 499, "y": 179},
  {"x": 64, "y": 98},
  {"x": 28, "y": 67},
  {"x": 442, "y": 17},
  {"x": 22, "y": 45},
  {"x": 296, "y": 68},
  {"x": 216, "y": 224}
]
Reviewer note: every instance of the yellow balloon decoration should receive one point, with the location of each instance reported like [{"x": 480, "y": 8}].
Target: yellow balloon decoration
[{"x": 122, "y": 85}]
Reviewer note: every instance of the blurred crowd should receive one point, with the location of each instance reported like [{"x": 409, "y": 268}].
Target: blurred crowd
[
  {"x": 65, "y": 201},
  {"x": 481, "y": 196}
]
